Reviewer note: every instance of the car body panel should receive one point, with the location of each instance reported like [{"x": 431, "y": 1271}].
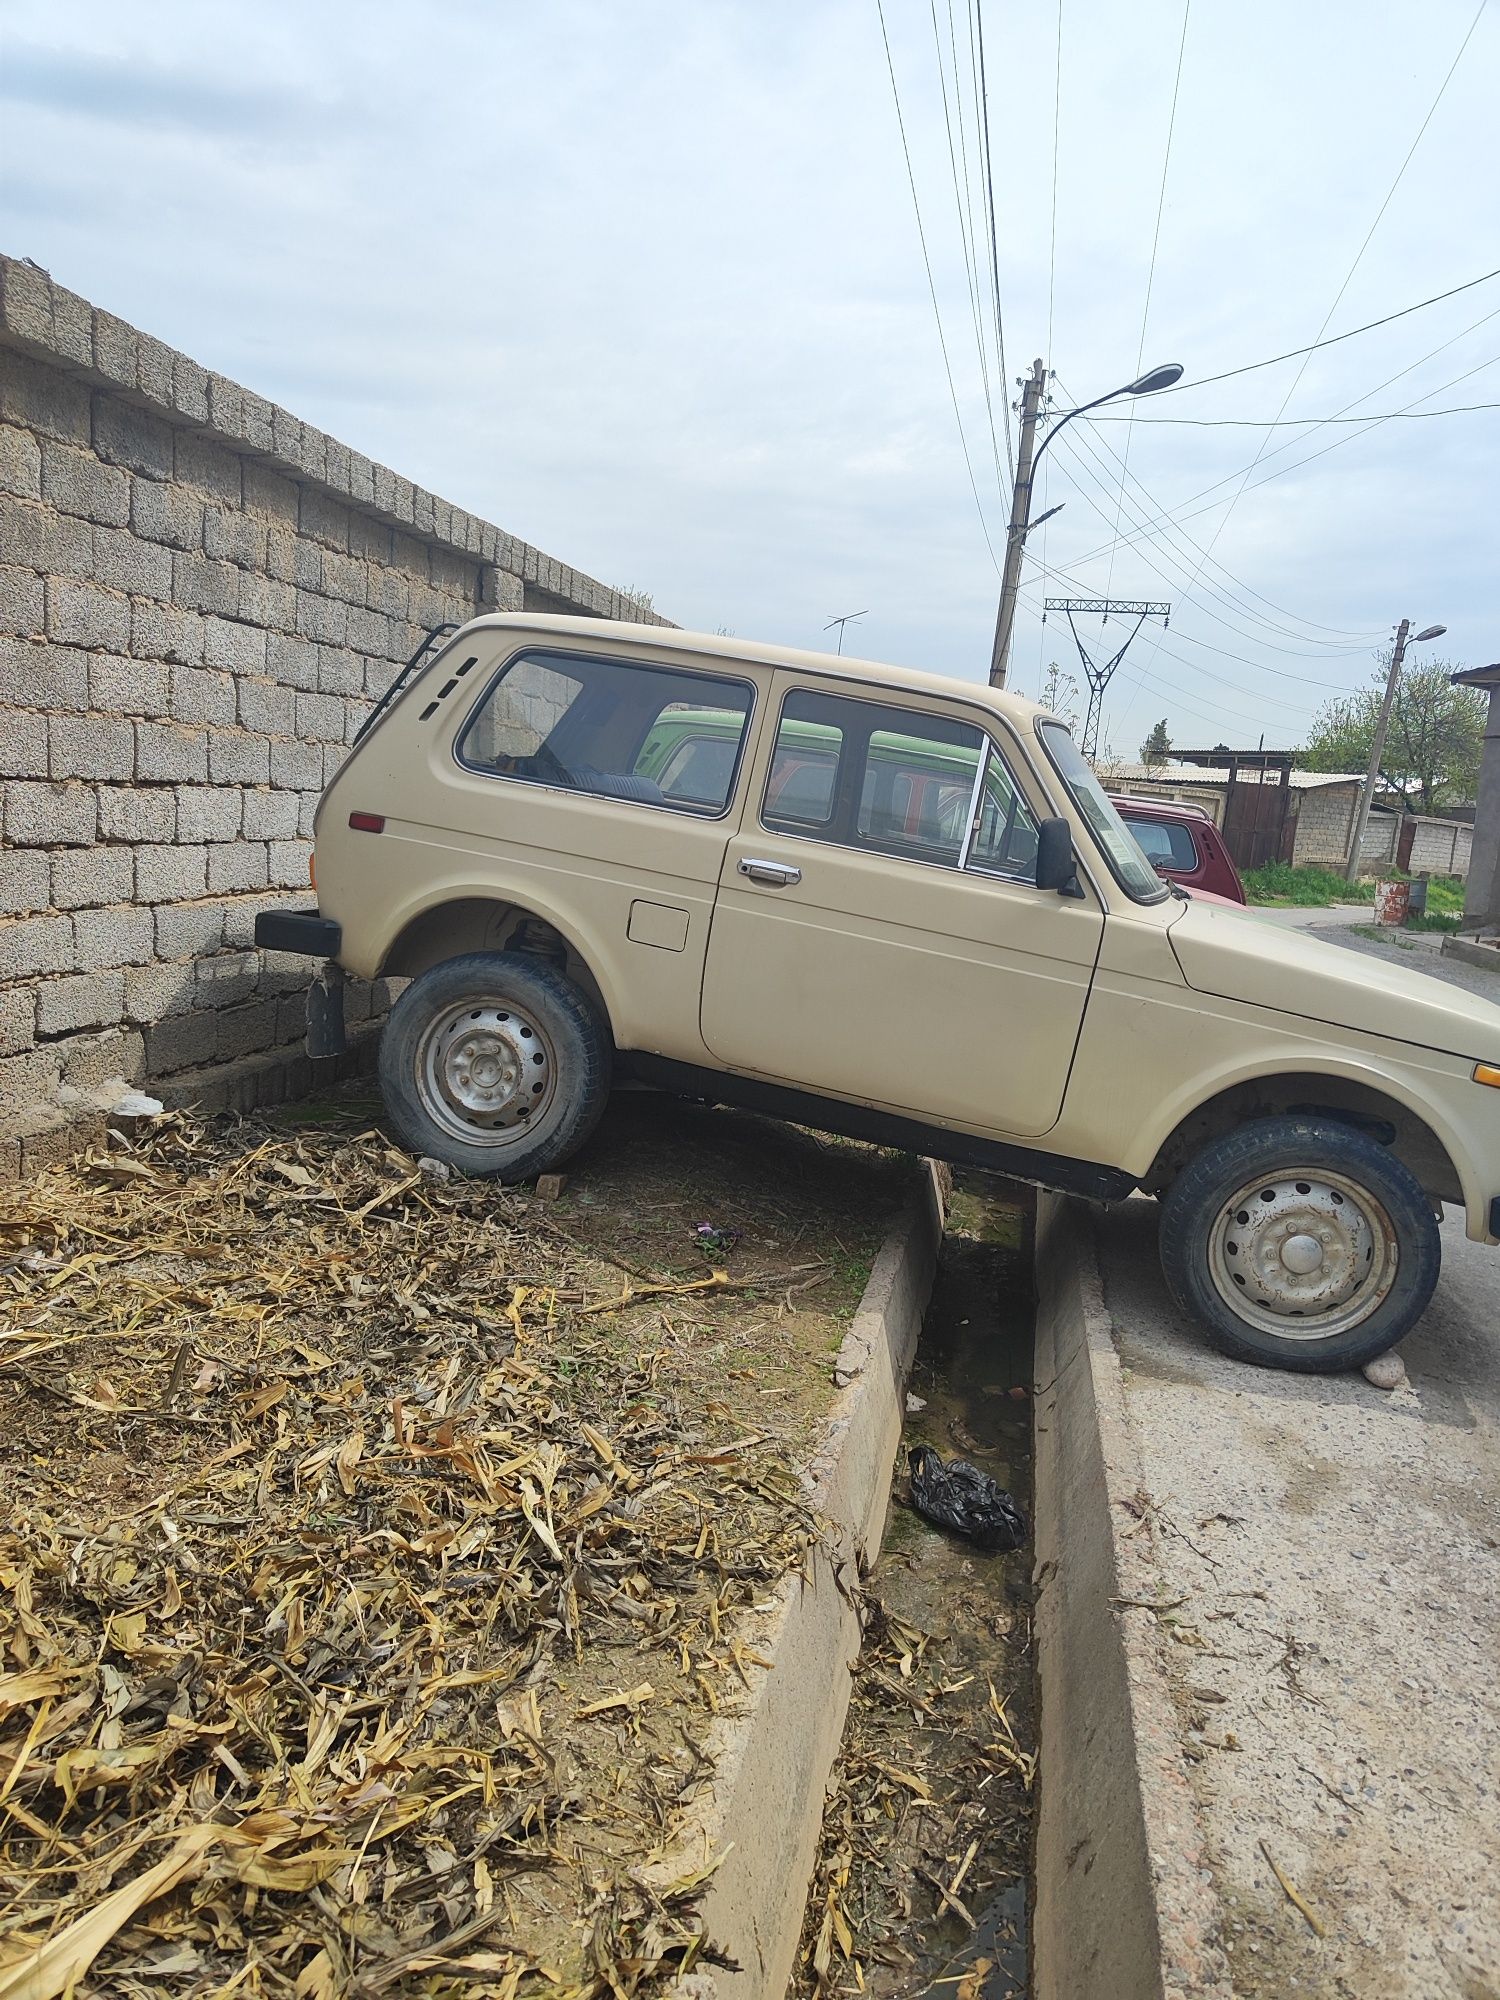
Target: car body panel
[{"x": 1209, "y": 870}]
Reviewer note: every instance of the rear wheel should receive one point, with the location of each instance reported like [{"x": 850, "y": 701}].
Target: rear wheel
[
  {"x": 495, "y": 1063},
  {"x": 1300, "y": 1243}
]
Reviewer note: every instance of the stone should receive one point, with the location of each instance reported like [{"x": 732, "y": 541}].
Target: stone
[{"x": 1386, "y": 1371}]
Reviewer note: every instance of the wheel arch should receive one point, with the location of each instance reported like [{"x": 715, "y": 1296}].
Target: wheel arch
[
  {"x": 1348, "y": 1098},
  {"x": 456, "y": 924}
]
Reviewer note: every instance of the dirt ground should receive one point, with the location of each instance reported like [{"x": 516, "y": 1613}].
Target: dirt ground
[{"x": 376, "y": 1543}]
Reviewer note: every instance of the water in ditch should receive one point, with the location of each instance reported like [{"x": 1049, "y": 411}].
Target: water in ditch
[{"x": 923, "y": 1870}]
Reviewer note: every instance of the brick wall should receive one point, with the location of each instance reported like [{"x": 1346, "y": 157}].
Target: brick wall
[
  {"x": 200, "y": 596},
  {"x": 1325, "y": 821}
]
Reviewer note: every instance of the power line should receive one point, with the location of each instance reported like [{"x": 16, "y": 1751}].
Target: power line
[
  {"x": 976, "y": 19},
  {"x": 1051, "y": 298},
  {"x": 1297, "y": 423},
  {"x": 1348, "y": 278},
  {"x": 1161, "y": 202},
  {"x": 932, "y": 288},
  {"x": 1204, "y": 381}
]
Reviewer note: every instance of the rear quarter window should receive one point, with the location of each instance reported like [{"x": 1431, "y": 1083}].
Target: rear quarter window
[{"x": 1165, "y": 841}]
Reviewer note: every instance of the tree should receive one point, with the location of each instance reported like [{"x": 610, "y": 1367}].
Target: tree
[
  {"x": 1060, "y": 694},
  {"x": 1157, "y": 747},
  {"x": 1432, "y": 747}
]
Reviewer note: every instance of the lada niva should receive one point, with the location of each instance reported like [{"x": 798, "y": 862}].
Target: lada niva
[{"x": 893, "y": 906}]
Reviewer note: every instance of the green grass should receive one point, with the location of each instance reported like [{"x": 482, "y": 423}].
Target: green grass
[
  {"x": 1306, "y": 888},
  {"x": 1315, "y": 888}
]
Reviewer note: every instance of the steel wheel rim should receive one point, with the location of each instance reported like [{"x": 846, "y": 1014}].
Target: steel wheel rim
[
  {"x": 486, "y": 1072},
  {"x": 1303, "y": 1253}
]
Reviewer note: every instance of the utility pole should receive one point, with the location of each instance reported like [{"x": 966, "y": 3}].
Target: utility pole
[
  {"x": 1377, "y": 751},
  {"x": 1020, "y": 507}
]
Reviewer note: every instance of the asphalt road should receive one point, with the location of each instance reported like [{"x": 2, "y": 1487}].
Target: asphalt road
[{"x": 1337, "y": 1552}]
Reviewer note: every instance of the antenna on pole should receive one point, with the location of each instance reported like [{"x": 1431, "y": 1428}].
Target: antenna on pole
[
  {"x": 849, "y": 618},
  {"x": 1099, "y": 674}
]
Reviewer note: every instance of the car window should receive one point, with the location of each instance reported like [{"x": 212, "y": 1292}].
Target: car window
[
  {"x": 1165, "y": 841},
  {"x": 654, "y": 735},
  {"x": 1127, "y": 864},
  {"x": 1005, "y": 838},
  {"x": 895, "y": 780}
]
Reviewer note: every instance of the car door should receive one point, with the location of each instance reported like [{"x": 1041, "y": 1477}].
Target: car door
[{"x": 878, "y": 934}]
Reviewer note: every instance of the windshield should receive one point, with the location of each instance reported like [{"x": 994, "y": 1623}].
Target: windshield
[{"x": 1128, "y": 865}]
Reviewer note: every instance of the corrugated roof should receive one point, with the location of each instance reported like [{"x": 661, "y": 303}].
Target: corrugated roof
[{"x": 1200, "y": 774}]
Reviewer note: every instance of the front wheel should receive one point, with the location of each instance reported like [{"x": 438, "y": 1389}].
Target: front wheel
[
  {"x": 495, "y": 1063},
  {"x": 1300, "y": 1243}
]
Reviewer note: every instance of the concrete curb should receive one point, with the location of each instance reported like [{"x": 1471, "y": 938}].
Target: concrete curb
[
  {"x": 1468, "y": 951},
  {"x": 1125, "y": 1908},
  {"x": 764, "y": 1807}
]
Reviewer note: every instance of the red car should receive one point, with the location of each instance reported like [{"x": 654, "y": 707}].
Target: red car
[{"x": 1182, "y": 843}]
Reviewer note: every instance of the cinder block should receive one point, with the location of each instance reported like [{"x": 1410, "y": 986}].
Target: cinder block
[
  {"x": 72, "y": 327},
  {"x": 153, "y": 369},
  {"x": 355, "y": 713},
  {"x": 79, "y": 614},
  {"x": 35, "y": 536},
  {"x": 208, "y": 812},
  {"x": 199, "y": 696},
  {"x": 156, "y": 992},
  {"x": 340, "y": 671},
  {"x": 90, "y": 1061},
  {"x": 17, "y": 1019},
  {"x": 106, "y": 938},
  {"x": 22, "y": 603},
  {"x": 50, "y": 815},
  {"x": 123, "y": 561},
  {"x": 35, "y": 675},
  {"x": 268, "y": 493},
  {"x": 228, "y": 979},
  {"x": 169, "y": 514},
  {"x": 292, "y": 662},
  {"x": 86, "y": 877},
  {"x": 75, "y": 482},
  {"x": 128, "y": 687},
  {"x": 265, "y": 602},
  {"x": 136, "y": 812},
  {"x": 239, "y": 649},
  {"x": 237, "y": 758},
  {"x": 91, "y": 746},
  {"x": 20, "y": 463},
  {"x": 297, "y": 767},
  {"x": 241, "y": 912},
  {"x": 281, "y": 554},
  {"x": 322, "y": 618},
  {"x": 257, "y": 421},
  {"x": 167, "y": 754},
  {"x": 36, "y": 397},
  {"x": 169, "y": 874},
  {"x": 323, "y": 519},
  {"x": 25, "y": 881},
  {"x": 289, "y": 860},
  {"x": 308, "y": 565},
  {"x": 132, "y": 437},
  {"x": 187, "y": 1042},
  {"x": 333, "y": 755},
  {"x": 188, "y": 930},
  {"x": 27, "y": 1081},
  {"x": 344, "y": 577},
  {"x": 201, "y": 585},
  {"x": 114, "y": 349},
  {"x": 87, "y": 1000},
  {"x": 371, "y": 539},
  {"x": 190, "y": 389},
  {"x": 307, "y": 813},
  {"x": 166, "y": 632},
  {"x": 284, "y": 972},
  {"x": 210, "y": 468},
  {"x": 243, "y": 1030},
  {"x": 236, "y": 866},
  {"x": 320, "y": 717},
  {"x": 23, "y": 745},
  {"x": 378, "y": 676},
  {"x": 230, "y": 535},
  {"x": 34, "y": 945},
  {"x": 270, "y": 815}
]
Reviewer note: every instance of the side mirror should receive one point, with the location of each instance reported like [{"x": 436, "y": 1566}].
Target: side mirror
[{"x": 1056, "y": 868}]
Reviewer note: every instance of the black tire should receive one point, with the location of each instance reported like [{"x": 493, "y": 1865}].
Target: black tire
[
  {"x": 495, "y": 1063},
  {"x": 1236, "y": 1255}
]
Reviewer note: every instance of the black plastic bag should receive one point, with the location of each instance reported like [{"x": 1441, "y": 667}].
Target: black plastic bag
[{"x": 960, "y": 1497}]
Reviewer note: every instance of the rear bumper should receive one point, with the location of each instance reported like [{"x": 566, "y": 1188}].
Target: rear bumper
[
  {"x": 1495, "y": 1216},
  {"x": 301, "y": 931}
]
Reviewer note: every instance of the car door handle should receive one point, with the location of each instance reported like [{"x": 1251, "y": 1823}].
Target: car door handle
[{"x": 775, "y": 874}]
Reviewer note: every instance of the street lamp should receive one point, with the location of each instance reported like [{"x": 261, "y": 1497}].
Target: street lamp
[
  {"x": 1377, "y": 748},
  {"x": 1021, "y": 522}
]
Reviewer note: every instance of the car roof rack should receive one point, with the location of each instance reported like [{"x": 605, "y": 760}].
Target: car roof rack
[{"x": 404, "y": 679}]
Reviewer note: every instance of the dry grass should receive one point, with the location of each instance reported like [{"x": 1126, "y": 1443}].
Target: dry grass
[{"x": 368, "y": 1577}]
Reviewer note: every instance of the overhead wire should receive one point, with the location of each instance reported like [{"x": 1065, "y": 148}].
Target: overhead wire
[
  {"x": 911, "y": 178},
  {"x": 976, "y": 33},
  {"x": 1041, "y": 637},
  {"x": 1161, "y": 202},
  {"x": 1297, "y": 423},
  {"x": 1338, "y": 296}
]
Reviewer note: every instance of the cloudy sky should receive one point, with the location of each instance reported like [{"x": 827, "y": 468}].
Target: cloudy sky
[{"x": 641, "y": 280}]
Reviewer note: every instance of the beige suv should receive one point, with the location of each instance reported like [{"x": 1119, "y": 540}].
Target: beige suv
[{"x": 896, "y": 907}]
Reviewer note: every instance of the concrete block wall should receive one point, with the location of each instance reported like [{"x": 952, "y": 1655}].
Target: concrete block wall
[
  {"x": 1325, "y": 822},
  {"x": 1441, "y": 847},
  {"x": 200, "y": 598}
]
